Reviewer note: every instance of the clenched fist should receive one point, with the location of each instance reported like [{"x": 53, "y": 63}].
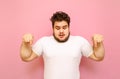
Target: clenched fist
[
  {"x": 97, "y": 39},
  {"x": 28, "y": 38}
]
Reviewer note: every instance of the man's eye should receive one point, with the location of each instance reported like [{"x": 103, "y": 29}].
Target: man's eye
[
  {"x": 57, "y": 28},
  {"x": 65, "y": 27}
]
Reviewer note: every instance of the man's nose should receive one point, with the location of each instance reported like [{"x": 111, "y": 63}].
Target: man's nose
[{"x": 61, "y": 30}]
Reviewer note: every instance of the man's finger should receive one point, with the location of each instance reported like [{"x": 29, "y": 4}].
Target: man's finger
[
  {"x": 31, "y": 42},
  {"x": 95, "y": 43}
]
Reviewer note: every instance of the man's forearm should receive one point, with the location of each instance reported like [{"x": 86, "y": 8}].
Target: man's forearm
[
  {"x": 25, "y": 51},
  {"x": 99, "y": 51}
]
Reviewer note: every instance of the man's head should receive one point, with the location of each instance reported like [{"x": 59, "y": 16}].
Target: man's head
[{"x": 60, "y": 23}]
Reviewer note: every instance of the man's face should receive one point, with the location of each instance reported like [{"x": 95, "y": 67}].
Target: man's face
[{"x": 61, "y": 31}]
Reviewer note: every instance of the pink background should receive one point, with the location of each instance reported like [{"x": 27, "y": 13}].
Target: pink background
[{"x": 87, "y": 17}]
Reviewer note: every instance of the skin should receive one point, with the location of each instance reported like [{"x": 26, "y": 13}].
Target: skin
[{"x": 61, "y": 32}]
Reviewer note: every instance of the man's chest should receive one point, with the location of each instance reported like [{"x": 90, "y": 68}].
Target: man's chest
[{"x": 66, "y": 50}]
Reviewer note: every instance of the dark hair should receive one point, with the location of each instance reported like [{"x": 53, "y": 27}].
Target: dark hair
[{"x": 60, "y": 16}]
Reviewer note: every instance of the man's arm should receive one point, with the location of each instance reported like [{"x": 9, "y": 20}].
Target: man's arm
[
  {"x": 26, "y": 52},
  {"x": 98, "y": 48}
]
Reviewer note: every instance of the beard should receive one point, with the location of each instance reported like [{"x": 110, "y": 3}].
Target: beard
[{"x": 61, "y": 41}]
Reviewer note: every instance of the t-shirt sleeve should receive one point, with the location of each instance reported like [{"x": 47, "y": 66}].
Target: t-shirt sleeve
[
  {"x": 37, "y": 47},
  {"x": 86, "y": 48}
]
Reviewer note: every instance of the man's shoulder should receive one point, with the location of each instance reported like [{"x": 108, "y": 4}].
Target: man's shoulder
[
  {"x": 77, "y": 37},
  {"x": 45, "y": 38}
]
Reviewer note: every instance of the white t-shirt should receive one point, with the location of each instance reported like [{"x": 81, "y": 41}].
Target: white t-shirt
[{"x": 61, "y": 60}]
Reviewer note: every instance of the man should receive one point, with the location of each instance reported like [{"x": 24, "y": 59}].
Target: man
[{"x": 61, "y": 52}]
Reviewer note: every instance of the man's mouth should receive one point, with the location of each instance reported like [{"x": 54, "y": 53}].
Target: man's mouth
[{"x": 61, "y": 36}]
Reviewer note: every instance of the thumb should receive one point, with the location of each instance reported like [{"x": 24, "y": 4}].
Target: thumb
[
  {"x": 94, "y": 43},
  {"x": 31, "y": 42}
]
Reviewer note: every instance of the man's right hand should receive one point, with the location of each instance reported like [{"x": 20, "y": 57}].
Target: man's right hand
[{"x": 27, "y": 38}]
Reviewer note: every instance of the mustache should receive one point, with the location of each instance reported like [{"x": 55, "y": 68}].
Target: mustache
[{"x": 61, "y": 34}]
